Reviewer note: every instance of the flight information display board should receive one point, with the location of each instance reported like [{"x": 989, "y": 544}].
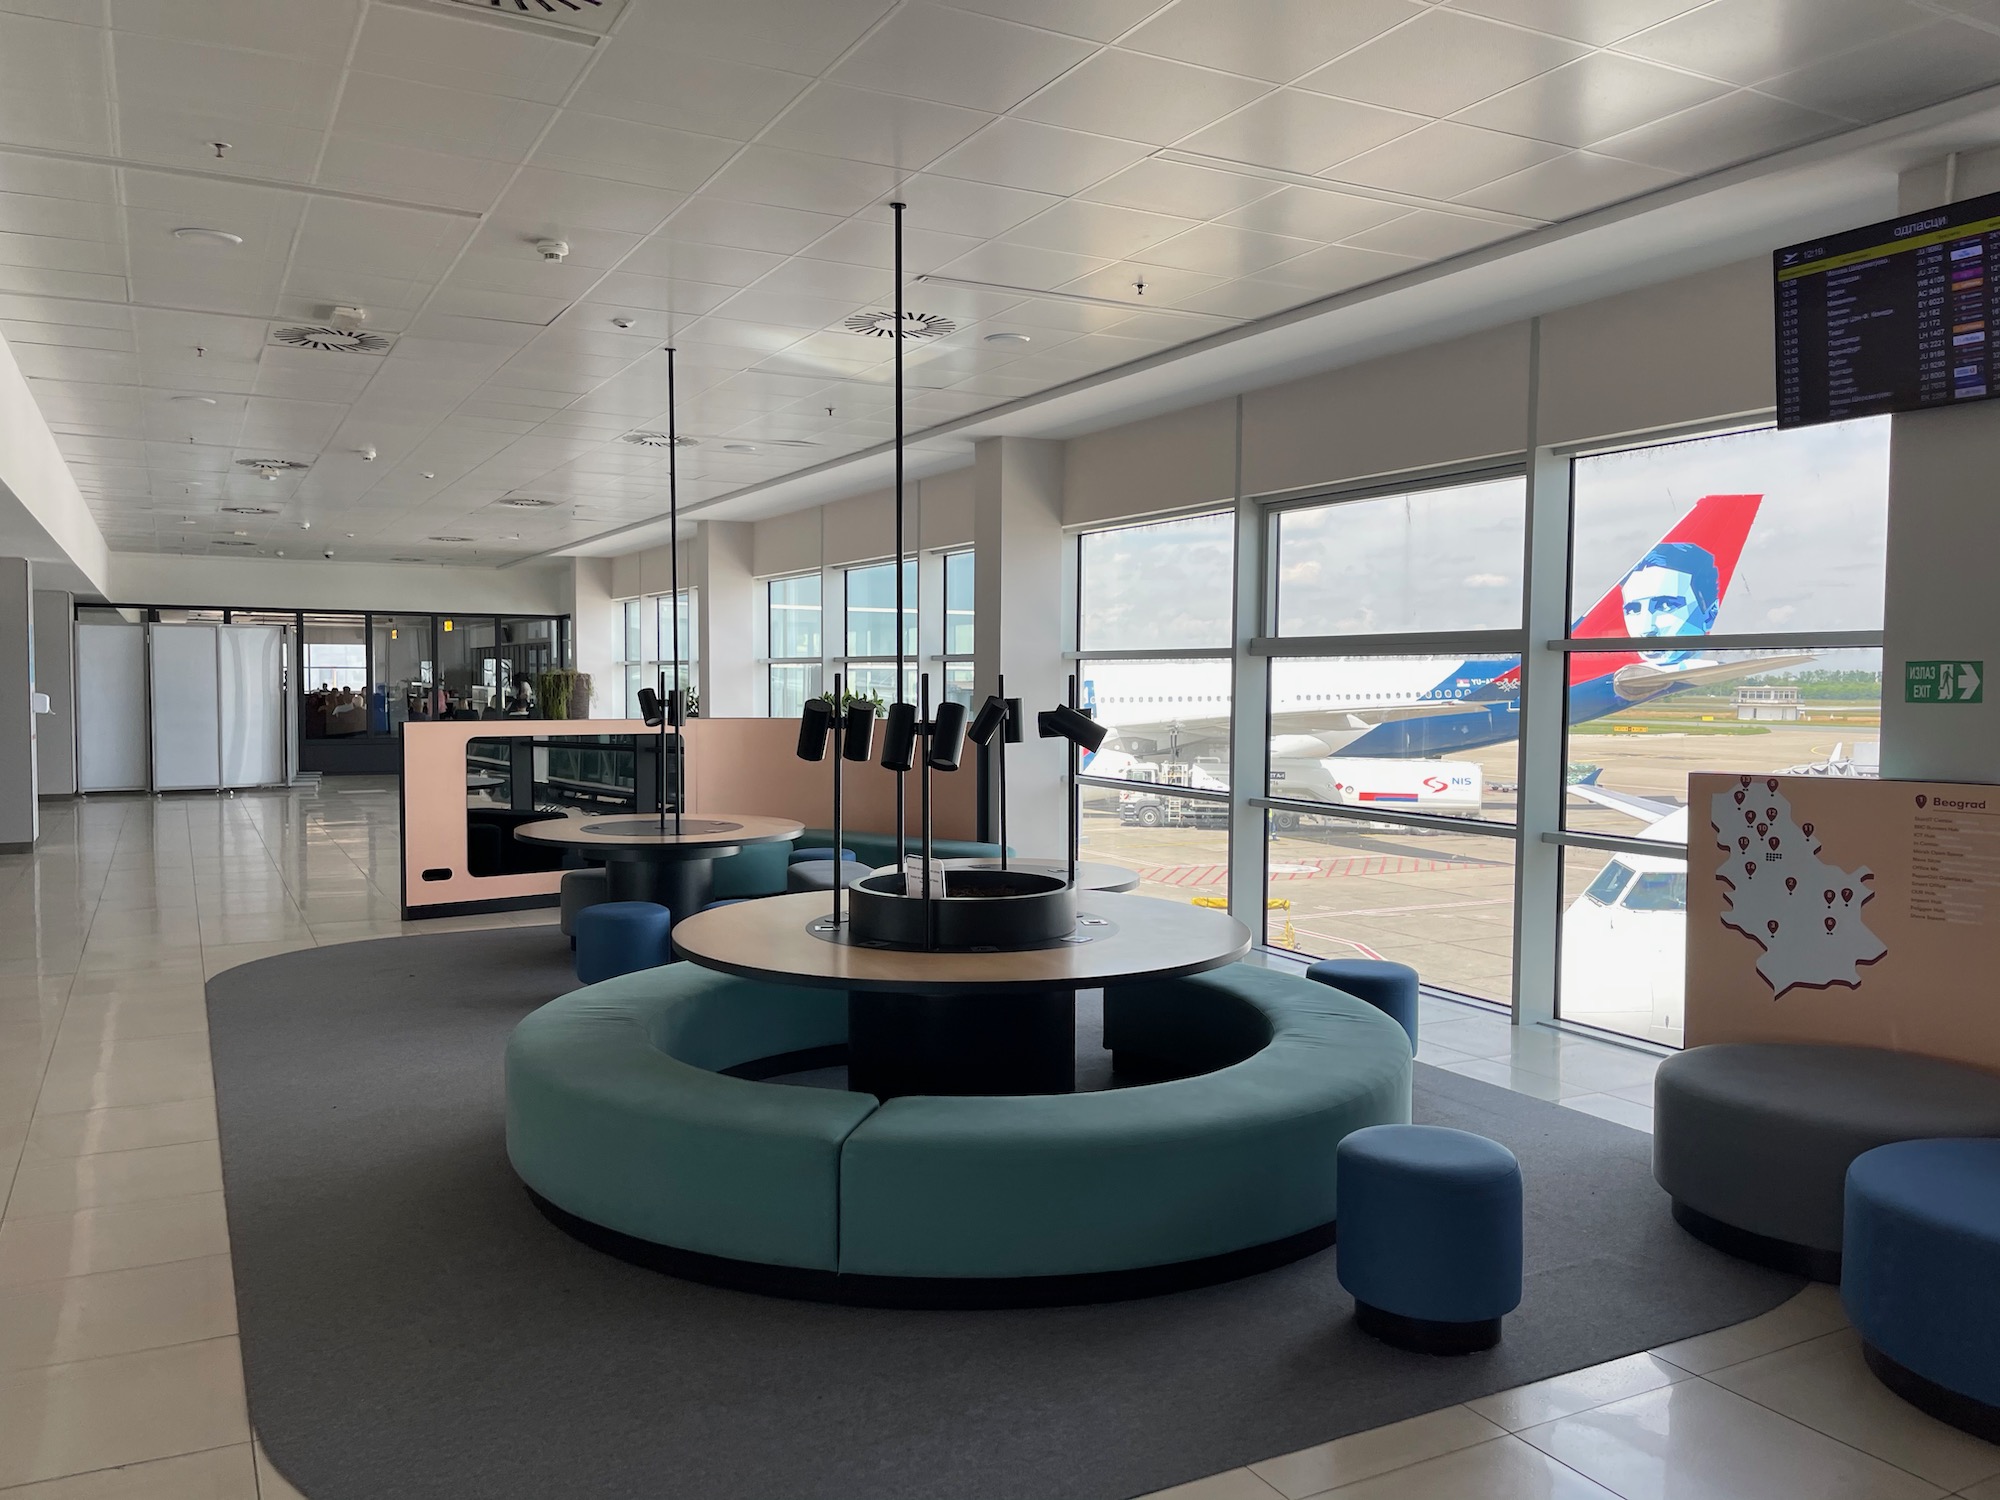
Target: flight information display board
[{"x": 1898, "y": 316}]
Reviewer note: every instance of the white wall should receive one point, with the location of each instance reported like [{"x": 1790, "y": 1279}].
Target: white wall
[
  {"x": 20, "y": 819},
  {"x": 1183, "y": 459},
  {"x": 597, "y": 624},
  {"x": 287, "y": 583},
  {"x": 42, "y": 513},
  {"x": 55, "y": 674}
]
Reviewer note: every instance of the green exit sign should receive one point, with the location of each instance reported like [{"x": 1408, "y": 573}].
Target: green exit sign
[{"x": 1944, "y": 681}]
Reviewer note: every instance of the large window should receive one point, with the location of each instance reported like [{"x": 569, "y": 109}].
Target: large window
[
  {"x": 958, "y": 618},
  {"x": 648, "y": 640},
  {"x": 792, "y": 626}
]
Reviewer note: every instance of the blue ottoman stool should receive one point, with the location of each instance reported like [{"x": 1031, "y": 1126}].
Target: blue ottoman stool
[
  {"x": 1430, "y": 1235},
  {"x": 618, "y": 937},
  {"x": 1920, "y": 1275},
  {"x": 811, "y": 855},
  {"x": 1390, "y": 988}
]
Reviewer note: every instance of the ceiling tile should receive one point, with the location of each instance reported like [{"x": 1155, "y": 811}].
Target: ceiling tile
[
  {"x": 1142, "y": 285},
  {"x": 1099, "y": 20},
  {"x": 670, "y": 87},
  {"x": 1022, "y": 154},
  {"x": 387, "y": 170},
  {"x": 1569, "y": 185},
  {"x": 1096, "y": 229},
  {"x": 1220, "y": 250},
  {"x": 1337, "y": 268},
  {"x": 52, "y": 85},
  {"x": 1314, "y": 213},
  {"x": 494, "y": 264},
  {"x": 541, "y": 202},
  {"x": 1022, "y": 265},
  {"x": 298, "y": 28},
  {"x": 1441, "y": 62},
  {"x": 1599, "y": 22},
  {"x": 1431, "y": 236},
  {"x": 184, "y": 138},
  {"x": 1720, "y": 133},
  {"x": 47, "y": 177},
  {"x": 1591, "y": 98},
  {"x": 462, "y": 52},
  {"x": 1249, "y": 297},
  {"x": 869, "y": 240},
  {"x": 253, "y": 88},
  {"x": 1442, "y": 160},
  {"x": 1169, "y": 187},
  {"x": 787, "y": 310},
  {"x": 952, "y": 206},
  {"x": 598, "y": 146},
  {"x": 378, "y": 240},
  {"x": 825, "y": 278},
  {"x": 793, "y": 179},
  {"x": 956, "y": 57},
  {"x": 1748, "y": 40},
  {"x": 1140, "y": 98},
  {"x": 747, "y": 226},
  {"x": 888, "y": 129},
  {"x": 718, "y": 264},
  {"x": 399, "y": 112},
  {"x": 63, "y": 218},
  {"x": 1300, "y": 132},
  {"x": 72, "y": 254},
  {"x": 781, "y": 34},
  {"x": 61, "y": 284},
  {"x": 1903, "y": 72},
  {"x": 1276, "y": 40}
]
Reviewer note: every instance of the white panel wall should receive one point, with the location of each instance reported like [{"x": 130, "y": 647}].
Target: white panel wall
[
  {"x": 597, "y": 625},
  {"x": 111, "y": 712},
  {"x": 786, "y": 544},
  {"x": 20, "y": 819},
  {"x": 187, "y": 707},
  {"x": 250, "y": 660},
  {"x": 944, "y": 509},
  {"x": 287, "y": 583},
  {"x": 1183, "y": 459}
]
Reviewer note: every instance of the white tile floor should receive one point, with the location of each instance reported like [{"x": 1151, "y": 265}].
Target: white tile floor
[{"x": 120, "y": 1377}]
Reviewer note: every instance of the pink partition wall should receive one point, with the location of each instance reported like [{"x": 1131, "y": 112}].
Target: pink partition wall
[{"x": 734, "y": 765}]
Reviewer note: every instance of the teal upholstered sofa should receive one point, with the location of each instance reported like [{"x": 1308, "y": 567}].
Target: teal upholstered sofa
[
  {"x": 760, "y": 869},
  {"x": 618, "y": 1116},
  {"x": 876, "y": 849}
]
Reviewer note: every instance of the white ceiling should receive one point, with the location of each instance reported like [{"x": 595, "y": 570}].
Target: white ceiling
[{"x": 720, "y": 170}]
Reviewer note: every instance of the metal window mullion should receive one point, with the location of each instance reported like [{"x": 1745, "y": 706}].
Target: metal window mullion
[
  {"x": 1346, "y": 812},
  {"x": 1614, "y": 843},
  {"x": 1252, "y": 583},
  {"x": 1408, "y": 643},
  {"x": 1775, "y": 640},
  {"x": 1385, "y": 486},
  {"x": 1189, "y": 653}
]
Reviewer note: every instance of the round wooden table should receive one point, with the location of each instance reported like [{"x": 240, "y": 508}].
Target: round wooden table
[
  {"x": 962, "y": 1022},
  {"x": 643, "y": 864}
]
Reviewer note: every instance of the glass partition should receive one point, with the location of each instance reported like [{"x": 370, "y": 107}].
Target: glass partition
[{"x": 405, "y": 669}]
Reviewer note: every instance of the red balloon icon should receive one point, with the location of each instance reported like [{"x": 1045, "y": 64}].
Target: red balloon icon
[
  {"x": 1791, "y": 884},
  {"x": 1771, "y": 782},
  {"x": 1773, "y": 925},
  {"x": 1771, "y": 813},
  {"x": 1762, "y": 829},
  {"x": 1773, "y": 842},
  {"x": 1846, "y": 893},
  {"x": 1831, "y": 923},
  {"x": 1808, "y": 830},
  {"x": 1829, "y": 897},
  {"x": 1749, "y": 867},
  {"x": 1743, "y": 842},
  {"x": 1739, "y": 799},
  {"x": 1749, "y": 815}
]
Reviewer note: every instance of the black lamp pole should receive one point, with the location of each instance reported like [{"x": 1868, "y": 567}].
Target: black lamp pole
[
  {"x": 1000, "y": 690},
  {"x": 676, "y": 713},
  {"x": 1072, "y": 792},
  {"x": 901, "y": 814}
]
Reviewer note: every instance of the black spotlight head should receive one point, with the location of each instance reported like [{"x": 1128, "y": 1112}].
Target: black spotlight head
[
  {"x": 986, "y": 723},
  {"x": 947, "y": 737},
  {"x": 1017, "y": 724},
  {"x": 899, "y": 738},
  {"x": 677, "y": 707},
  {"x": 650, "y": 708},
  {"x": 815, "y": 724},
  {"x": 1065, "y": 723},
  {"x": 857, "y": 736}
]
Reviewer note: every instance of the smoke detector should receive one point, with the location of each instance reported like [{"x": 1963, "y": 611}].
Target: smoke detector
[
  {"x": 882, "y": 325},
  {"x": 553, "y": 250},
  {"x": 331, "y": 340},
  {"x": 655, "y": 440}
]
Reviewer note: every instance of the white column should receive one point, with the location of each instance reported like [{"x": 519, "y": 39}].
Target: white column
[
  {"x": 597, "y": 625},
  {"x": 20, "y": 820},
  {"x": 725, "y": 619},
  {"x": 1019, "y": 626},
  {"x": 55, "y": 675},
  {"x": 1944, "y": 533}
]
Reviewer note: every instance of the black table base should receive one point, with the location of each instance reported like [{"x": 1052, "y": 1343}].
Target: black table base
[
  {"x": 965, "y": 1044},
  {"x": 682, "y": 885}
]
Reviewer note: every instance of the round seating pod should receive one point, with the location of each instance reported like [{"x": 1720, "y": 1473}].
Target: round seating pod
[
  {"x": 633, "y": 1117},
  {"x": 618, "y": 937},
  {"x": 1430, "y": 1236},
  {"x": 1920, "y": 1278},
  {"x": 582, "y": 888},
  {"x": 1390, "y": 987},
  {"x": 813, "y": 854},
  {"x": 818, "y": 874},
  {"x": 1753, "y": 1140}
]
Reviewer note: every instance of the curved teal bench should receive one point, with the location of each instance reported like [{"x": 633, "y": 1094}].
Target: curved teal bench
[
  {"x": 622, "y": 1124},
  {"x": 878, "y": 849}
]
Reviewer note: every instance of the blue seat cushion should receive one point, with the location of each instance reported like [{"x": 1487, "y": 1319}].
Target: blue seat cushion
[
  {"x": 878, "y": 849},
  {"x": 814, "y": 854},
  {"x": 1920, "y": 1274},
  {"x": 753, "y": 870},
  {"x": 817, "y": 874},
  {"x": 1390, "y": 987},
  {"x": 621, "y": 937},
  {"x": 1430, "y": 1223}
]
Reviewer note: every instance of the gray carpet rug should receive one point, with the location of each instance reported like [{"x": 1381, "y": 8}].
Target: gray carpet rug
[{"x": 412, "y": 1327}]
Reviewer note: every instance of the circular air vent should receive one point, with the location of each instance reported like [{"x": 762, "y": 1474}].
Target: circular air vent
[
  {"x": 271, "y": 468},
  {"x": 249, "y": 510},
  {"x": 526, "y": 502},
  {"x": 331, "y": 340},
  {"x": 537, "y": 7},
  {"x": 655, "y": 440},
  {"x": 882, "y": 325}
]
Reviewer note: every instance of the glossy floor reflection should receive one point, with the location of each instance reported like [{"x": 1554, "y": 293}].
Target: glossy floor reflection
[{"x": 120, "y": 1377}]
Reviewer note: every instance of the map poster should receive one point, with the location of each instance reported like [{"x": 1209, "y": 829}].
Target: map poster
[{"x": 1864, "y": 913}]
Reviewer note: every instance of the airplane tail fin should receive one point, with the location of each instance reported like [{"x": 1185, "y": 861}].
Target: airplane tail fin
[{"x": 1717, "y": 526}]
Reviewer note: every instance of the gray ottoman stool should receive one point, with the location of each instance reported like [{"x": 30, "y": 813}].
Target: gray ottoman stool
[
  {"x": 581, "y": 888},
  {"x": 817, "y": 874},
  {"x": 1753, "y": 1140}
]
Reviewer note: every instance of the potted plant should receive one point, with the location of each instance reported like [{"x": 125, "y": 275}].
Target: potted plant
[{"x": 563, "y": 693}]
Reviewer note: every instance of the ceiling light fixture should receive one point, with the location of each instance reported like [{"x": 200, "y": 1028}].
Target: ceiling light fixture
[
  {"x": 208, "y": 236},
  {"x": 270, "y": 468},
  {"x": 195, "y": 400},
  {"x": 1008, "y": 338},
  {"x": 526, "y": 502},
  {"x": 1029, "y": 291},
  {"x": 916, "y": 325},
  {"x": 249, "y": 510},
  {"x": 1350, "y": 189},
  {"x": 739, "y": 447},
  {"x": 447, "y": 538}
]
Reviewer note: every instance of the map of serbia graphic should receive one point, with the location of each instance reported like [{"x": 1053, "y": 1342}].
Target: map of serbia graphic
[{"x": 1803, "y": 912}]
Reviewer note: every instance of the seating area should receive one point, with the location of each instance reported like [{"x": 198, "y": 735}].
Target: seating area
[{"x": 622, "y": 1116}]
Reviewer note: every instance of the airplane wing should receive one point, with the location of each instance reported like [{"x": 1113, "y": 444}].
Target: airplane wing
[
  {"x": 1648, "y": 810},
  {"x": 1643, "y": 679}
]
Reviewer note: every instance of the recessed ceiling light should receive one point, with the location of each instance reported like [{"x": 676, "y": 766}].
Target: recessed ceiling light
[
  {"x": 1008, "y": 338},
  {"x": 209, "y": 236},
  {"x": 739, "y": 447},
  {"x": 512, "y": 536},
  {"x": 197, "y": 400}
]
